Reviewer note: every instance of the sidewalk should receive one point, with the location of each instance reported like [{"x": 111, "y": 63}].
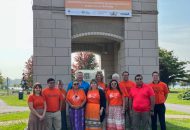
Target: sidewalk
[
  {"x": 4, "y": 108},
  {"x": 178, "y": 107}
]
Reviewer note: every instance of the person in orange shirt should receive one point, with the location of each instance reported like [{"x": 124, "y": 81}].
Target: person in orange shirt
[
  {"x": 53, "y": 98},
  {"x": 63, "y": 108},
  {"x": 99, "y": 77},
  {"x": 115, "y": 107},
  {"x": 95, "y": 107},
  {"x": 161, "y": 93},
  {"x": 76, "y": 99},
  {"x": 125, "y": 86},
  {"x": 37, "y": 107}
]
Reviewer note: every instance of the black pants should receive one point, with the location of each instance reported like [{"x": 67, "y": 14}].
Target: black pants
[
  {"x": 63, "y": 120},
  {"x": 159, "y": 111}
]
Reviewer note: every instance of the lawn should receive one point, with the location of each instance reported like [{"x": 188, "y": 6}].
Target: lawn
[
  {"x": 172, "y": 97},
  {"x": 13, "y": 100},
  {"x": 18, "y": 126},
  {"x": 178, "y": 124},
  {"x": 14, "y": 116}
]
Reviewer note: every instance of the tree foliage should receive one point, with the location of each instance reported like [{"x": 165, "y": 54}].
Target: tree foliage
[
  {"x": 171, "y": 69},
  {"x": 1, "y": 79},
  {"x": 84, "y": 60},
  {"x": 27, "y": 74}
]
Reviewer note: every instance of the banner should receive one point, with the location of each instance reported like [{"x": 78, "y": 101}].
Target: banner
[{"x": 112, "y": 8}]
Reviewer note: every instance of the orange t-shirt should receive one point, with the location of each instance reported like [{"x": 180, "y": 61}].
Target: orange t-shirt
[
  {"x": 102, "y": 85},
  {"x": 64, "y": 93},
  {"x": 76, "y": 98},
  {"x": 53, "y": 99},
  {"x": 114, "y": 97},
  {"x": 38, "y": 101},
  {"x": 126, "y": 86},
  {"x": 160, "y": 90},
  {"x": 93, "y": 96}
]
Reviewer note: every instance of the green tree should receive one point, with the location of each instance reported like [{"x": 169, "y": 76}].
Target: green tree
[
  {"x": 27, "y": 74},
  {"x": 171, "y": 69},
  {"x": 1, "y": 80},
  {"x": 84, "y": 60}
]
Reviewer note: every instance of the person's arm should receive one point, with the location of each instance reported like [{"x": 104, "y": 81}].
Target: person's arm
[
  {"x": 130, "y": 104},
  {"x": 126, "y": 103},
  {"x": 72, "y": 106},
  {"x": 30, "y": 105},
  {"x": 123, "y": 111},
  {"x": 152, "y": 104},
  {"x": 102, "y": 101},
  {"x": 44, "y": 112}
]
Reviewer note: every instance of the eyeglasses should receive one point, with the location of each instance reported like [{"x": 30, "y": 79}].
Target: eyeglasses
[
  {"x": 113, "y": 83},
  {"x": 139, "y": 79},
  {"x": 75, "y": 83}
]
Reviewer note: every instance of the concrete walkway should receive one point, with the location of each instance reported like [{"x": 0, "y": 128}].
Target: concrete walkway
[
  {"x": 178, "y": 107},
  {"x": 4, "y": 108}
]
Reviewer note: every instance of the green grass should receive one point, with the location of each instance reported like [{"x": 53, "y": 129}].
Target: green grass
[
  {"x": 13, "y": 100},
  {"x": 172, "y": 97},
  {"x": 178, "y": 124},
  {"x": 14, "y": 116},
  {"x": 19, "y": 126},
  {"x": 171, "y": 112}
]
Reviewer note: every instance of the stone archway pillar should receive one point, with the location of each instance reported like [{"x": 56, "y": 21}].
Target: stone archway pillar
[
  {"x": 52, "y": 43},
  {"x": 140, "y": 47}
]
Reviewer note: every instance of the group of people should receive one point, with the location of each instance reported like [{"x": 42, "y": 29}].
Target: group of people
[{"x": 119, "y": 105}]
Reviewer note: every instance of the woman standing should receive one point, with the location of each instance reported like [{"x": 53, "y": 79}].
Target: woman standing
[
  {"x": 76, "y": 99},
  {"x": 95, "y": 107},
  {"x": 37, "y": 107},
  {"x": 99, "y": 78},
  {"x": 115, "y": 107}
]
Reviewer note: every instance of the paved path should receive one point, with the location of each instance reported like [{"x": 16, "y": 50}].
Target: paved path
[
  {"x": 4, "y": 108},
  {"x": 177, "y": 107}
]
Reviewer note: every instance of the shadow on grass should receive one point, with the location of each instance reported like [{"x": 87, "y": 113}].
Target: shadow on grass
[{"x": 171, "y": 126}]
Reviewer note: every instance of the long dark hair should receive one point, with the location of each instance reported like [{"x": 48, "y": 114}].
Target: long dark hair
[{"x": 116, "y": 87}]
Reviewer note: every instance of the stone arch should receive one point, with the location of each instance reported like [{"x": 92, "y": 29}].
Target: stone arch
[{"x": 102, "y": 43}]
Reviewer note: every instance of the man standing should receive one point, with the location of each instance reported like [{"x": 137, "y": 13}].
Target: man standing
[
  {"x": 82, "y": 84},
  {"x": 161, "y": 92},
  {"x": 63, "y": 108},
  {"x": 141, "y": 100},
  {"x": 125, "y": 86},
  {"x": 53, "y": 98}
]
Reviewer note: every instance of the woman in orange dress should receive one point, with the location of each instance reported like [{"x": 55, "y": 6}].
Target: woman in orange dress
[
  {"x": 37, "y": 106},
  {"x": 115, "y": 107},
  {"x": 95, "y": 107},
  {"x": 99, "y": 78},
  {"x": 76, "y": 99}
]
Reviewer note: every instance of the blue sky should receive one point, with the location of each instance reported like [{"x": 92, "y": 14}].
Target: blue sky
[
  {"x": 16, "y": 32},
  {"x": 174, "y": 27}
]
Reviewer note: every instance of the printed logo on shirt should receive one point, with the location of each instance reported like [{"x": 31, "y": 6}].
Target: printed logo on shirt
[
  {"x": 76, "y": 98},
  {"x": 92, "y": 95},
  {"x": 114, "y": 95}
]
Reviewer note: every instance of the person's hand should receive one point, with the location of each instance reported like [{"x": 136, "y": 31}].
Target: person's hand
[
  {"x": 151, "y": 112},
  {"x": 101, "y": 111},
  {"x": 41, "y": 117},
  {"x": 123, "y": 111},
  {"x": 131, "y": 112},
  {"x": 107, "y": 111}
]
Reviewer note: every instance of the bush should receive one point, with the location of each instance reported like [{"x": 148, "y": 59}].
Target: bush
[{"x": 185, "y": 95}]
